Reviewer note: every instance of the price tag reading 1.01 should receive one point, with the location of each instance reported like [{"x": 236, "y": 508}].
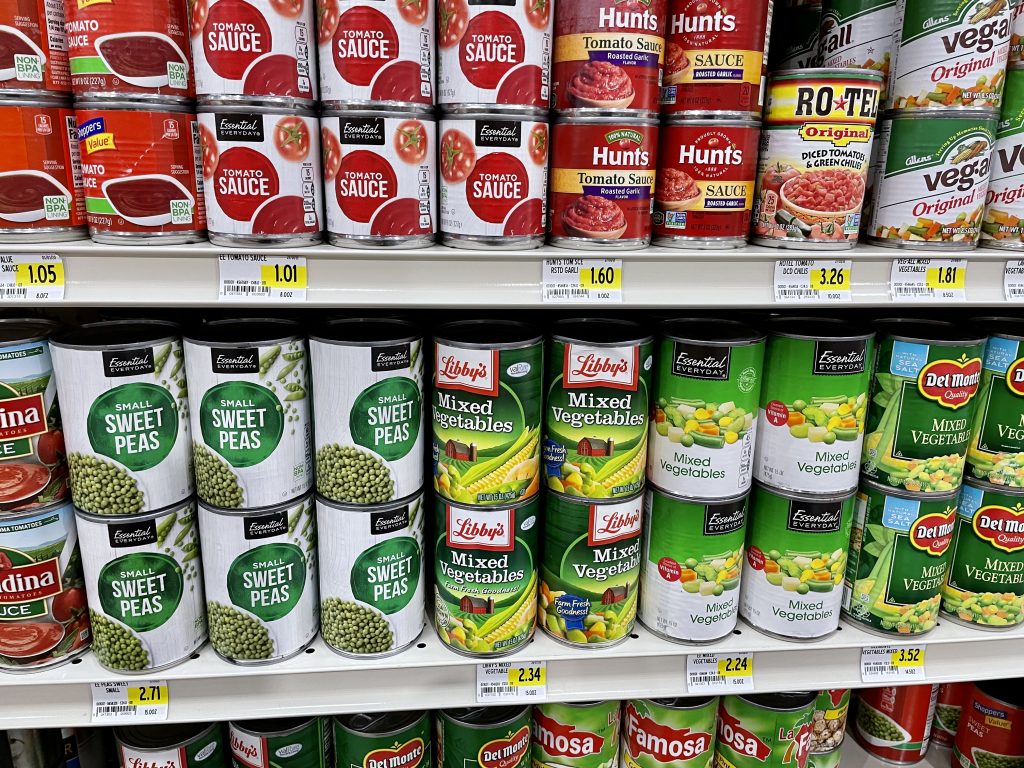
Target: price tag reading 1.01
[
  {"x": 140, "y": 701},
  {"x": 508, "y": 682},
  {"x": 813, "y": 281},
  {"x": 31, "y": 276},
  {"x": 590, "y": 281},
  {"x": 720, "y": 672},
  {"x": 892, "y": 663},
  {"x": 248, "y": 277},
  {"x": 925, "y": 280}
]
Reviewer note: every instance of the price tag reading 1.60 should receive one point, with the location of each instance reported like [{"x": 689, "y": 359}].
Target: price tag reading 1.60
[{"x": 608, "y": 278}]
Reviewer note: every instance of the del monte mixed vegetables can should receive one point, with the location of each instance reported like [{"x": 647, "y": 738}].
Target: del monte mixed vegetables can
[{"x": 378, "y": 739}]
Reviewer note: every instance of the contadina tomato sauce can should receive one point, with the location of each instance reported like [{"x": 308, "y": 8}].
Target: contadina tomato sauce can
[
  {"x": 895, "y": 724},
  {"x": 34, "y": 56},
  {"x": 602, "y": 182},
  {"x": 494, "y": 180},
  {"x": 991, "y": 728},
  {"x": 380, "y": 178},
  {"x": 261, "y": 173},
  {"x": 141, "y": 169}
]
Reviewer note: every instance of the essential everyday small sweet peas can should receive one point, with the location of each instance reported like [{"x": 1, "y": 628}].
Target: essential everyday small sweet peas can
[
  {"x": 576, "y": 735},
  {"x": 996, "y": 450},
  {"x": 261, "y": 580},
  {"x": 483, "y": 737},
  {"x": 1004, "y": 201},
  {"x": 767, "y": 729},
  {"x": 372, "y": 595},
  {"x": 294, "y": 742},
  {"x": 992, "y": 726},
  {"x": 188, "y": 745},
  {"x": 895, "y": 724},
  {"x": 383, "y": 739},
  {"x": 669, "y": 732}
]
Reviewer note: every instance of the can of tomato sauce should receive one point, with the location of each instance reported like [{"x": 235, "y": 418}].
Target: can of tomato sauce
[
  {"x": 602, "y": 182},
  {"x": 377, "y": 54},
  {"x": 494, "y": 180},
  {"x": 254, "y": 50},
  {"x": 705, "y": 183},
  {"x": 40, "y": 172},
  {"x": 815, "y": 152},
  {"x": 261, "y": 175},
  {"x": 608, "y": 56},
  {"x": 895, "y": 724},
  {"x": 33, "y": 48},
  {"x": 137, "y": 48},
  {"x": 380, "y": 178},
  {"x": 141, "y": 170},
  {"x": 494, "y": 55},
  {"x": 715, "y": 57}
]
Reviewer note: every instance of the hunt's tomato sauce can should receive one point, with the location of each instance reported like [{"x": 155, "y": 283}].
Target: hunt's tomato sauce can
[
  {"x": 141, "y": 171},
  {"x": 261, "y": 175},
  {"x": 494, "y": 54},
  {"x": 33, "y": 48},
  {"x": 494, "y": 180},
  {"x": 715, "y": 57},
  {"x": 40, "y": 173},
  {"x": 602, "y": 182},
  {"x": 991, "y": 729},
  {"x": 254, "y": 49},
  {"x": 129, "y": 48},
  {"x": 705, "y": 183},
  {"x": 381, "y": 178},
  {"x": 377, "y": 52},
  {"x": 895, "y": 724}
]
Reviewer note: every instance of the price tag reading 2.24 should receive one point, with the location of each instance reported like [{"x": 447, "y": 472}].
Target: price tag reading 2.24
[{"x": 720, "y": 672}]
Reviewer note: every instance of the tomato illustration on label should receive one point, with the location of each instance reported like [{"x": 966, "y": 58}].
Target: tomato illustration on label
[
  {"x": 538, "y": 13},
  {"x": 411, "y": 141},
  {"x": 414, "y": 11},
  {"x": 234, "y": 36},
  {"x": 458, "y": 155},
  {"x": 290, "y": 9},
  {"x": 211, "y": 155},
  {"x": 453, "y": 21},
  {"x": 291, "y": 137},
  {"x": 197, "y": 12},
  {"x": 328, "y": 14},
  {"x": 951, "y": 383},
  {"x": 331, "y": 150},
  {"x": 538, "y": 145}
]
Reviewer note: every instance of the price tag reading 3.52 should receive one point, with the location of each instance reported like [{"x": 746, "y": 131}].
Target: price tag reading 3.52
[
  {"x": 248, "y": 277},
  {"x": 591, "y": 281},
  {"x": 140, "y": 701},
  {"x": 507, "y": 682},
  {"x": 892, "y": 663},
  {"x": 31, "y": 276},
  {"x": 720, "y": 672},
  {"x": 813, "y": 281}
]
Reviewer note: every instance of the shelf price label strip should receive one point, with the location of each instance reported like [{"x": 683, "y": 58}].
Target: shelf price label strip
[
  {"x": 511, "y": 682},
  {"x": 720, "y": 672},
  {"x": 138, "y": 701},
  {"x": 927, "y": 280},
  {"x": 248, "y": 277},
  {"x": 588, "y": 281},
  {"x": 813, "y": 281},
  {"x": 892, "y": 664},
  {"x": 31, "y": 277}
]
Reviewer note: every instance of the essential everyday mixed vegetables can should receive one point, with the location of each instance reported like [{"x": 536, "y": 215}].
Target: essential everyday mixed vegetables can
[
  {"x": 669, "y": 732},
  {"x": 769, "y": 729},
  {"x": 577, "y": 735},
  {"x": 996, "y": 450},
  {"x": 399, "y": 739}
]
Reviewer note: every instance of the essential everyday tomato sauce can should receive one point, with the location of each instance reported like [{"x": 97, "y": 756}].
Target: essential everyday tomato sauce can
[
  {"x": 602, "y": 182},
  {"x": 895, "y": 724},
  {"x": 380, "y": 178},
  {"x": 41, "y": 194},
  {"x": 33, "y": 48},
  {"x": 1003, "y": 225},
  {"x": 261, "y": 175},
  {"x": 494, "y": 180},
  {"x": 494, "y": 55},
  {"x": 377, "y": 52}
]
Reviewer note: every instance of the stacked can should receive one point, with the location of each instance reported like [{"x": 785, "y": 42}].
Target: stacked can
[
  {"x": 895, "y": 724},
  {"x": 829, "y": 727},
  {"x": 1003, "y": 224},
  {"x": 795, "y": 43},
  {"x": 369, "y": 482}
]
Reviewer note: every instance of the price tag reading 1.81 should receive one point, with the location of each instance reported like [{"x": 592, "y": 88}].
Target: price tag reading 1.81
[{"x": 924, "y": 280}]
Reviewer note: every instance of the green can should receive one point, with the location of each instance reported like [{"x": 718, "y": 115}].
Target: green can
[
  {"x": 704, "y": 418},
  {"x": 926, "y": 376},
  {"x": 830, "y": 713},
  {"x": 590, "y": 571},
  {"x": 486, "y": 411},
  {"x": 383, "y": 740},
  {"x": 485, "y": 576},
  {"x": 830, "y": 759},
  {"x": 795, "y": 44},
  {"x": 996, "y": 451},
  {"x": 769, "y": 730},
  {"x": 813, "y": 404},
  {"x": 985, "y": 584},
  {"x": 857, "y": 34},
  {"x": 669, "y": 733},
  {"x": 899, "y": 554},
  {"x": 483, "y": 737},
  {"x": 595, "y": 421},
  {"x": 583, "y": 735},
  {"x": 291, "y": 743}
]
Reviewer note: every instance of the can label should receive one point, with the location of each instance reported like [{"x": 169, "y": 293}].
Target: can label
[
  {"x": 829, "y": 723},
  {"x": 376, "y": 52},
  {"x": 602, "y": 181},
  {"x": 991, "y": 732},
  {"x": 985, "y": 585},
  {"x": 857, "y": 34},
  {"x": 715, "y": 56},
  {"x": 255, "y": 49},
  {"x": 948, "y": 710},
  {"x": 485, "y": 577},
  {"x": 922, "y": 406},
  {"x": 372, "y": 596},
  {"x": 899, "y": 555},
  {"x": 595, "y": 423},
  {"x": 1016, "y": 54},
  {"x": 380, "y": 175},
  {"x": 794, "y": 45},
  {"x": 692, "y": 557},
  {"x": 655, "y": 735},
  {"x": 409, "y": 747},
  {"x": 583, "y": 736},
  {"x": 494, "y": 177},
  {"x": 895, "y": 723},
  {"x": 591, "y": 569},
  {"x": 811, "y": 420},
  {"x": 751, "y": 735},
  {"x": 263, "y": 174},
  {"x": 796, "y": 560},
  {"x": 501, "y": 745},
  {"x": 1004, "y": 201},
  {"x": 305, "y": 747},
  {"x": 261, "y": 581},
  {"x": 207, "y": 746},
  {"x": 35, "y": 47},
  {"x": 144, "y": 579},
  {"x": 486, "y": 423},
  {"x": 997, "y": 433}
]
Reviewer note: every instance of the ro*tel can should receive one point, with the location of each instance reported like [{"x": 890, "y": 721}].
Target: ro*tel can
[
  {"x": 660, "y": 732},
  {"x": 1004, "y": 202},
  {"x": 35, "y": 49},
  {"x": 894, "y": 724},
  {"x": 771, "y": 730},
  {"x": 992, "y": 726},
  {"x": 857, "y": 34}
]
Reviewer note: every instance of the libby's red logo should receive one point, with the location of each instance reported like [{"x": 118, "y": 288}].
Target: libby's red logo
[
  {"x": 611, "y": 524},
  {"x": 664, "y": 744},
  {"x": 34, "y": 581},
  {"x": 1015, "y": 377},
  {"x": 932, "y": 533},
  {"x": 950, "y": 383},
  {"x": 1001, "y": 527},
  {"x": 617, "y": 368},
  {"x": 408, "y": 755},
  {"x": 471, "y": 370},
  {"x": 739, "y": 739},
  {"x": 560, "y": 740},
  {"x": 507, "y": 752},
  {"x": 22, "y": 417},
  {"x": 481, "y": 529}
]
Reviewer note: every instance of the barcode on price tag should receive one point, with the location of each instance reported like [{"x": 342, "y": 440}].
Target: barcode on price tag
[
  {"x": 813, "y": 280},
  {"x": 244, "y": 277},
  {"x": 591, "y": 281},
  {"x": 508, "y": 682},
  {"x": 138, "y": 701},
  {"x": 924, "y": 280},
  {"x": 1013, "y": 281},
  {"x": 720, "y": 672},
  {"x": 31, "y": 277},
  {"x": 891, "y": 663}
]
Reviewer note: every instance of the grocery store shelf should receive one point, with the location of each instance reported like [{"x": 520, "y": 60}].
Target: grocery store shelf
[
  {"x": 428, "y": 675},
  {"x": 854, "y": 756}
]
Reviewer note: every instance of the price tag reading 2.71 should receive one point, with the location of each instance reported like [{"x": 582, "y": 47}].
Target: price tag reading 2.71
[{"x": 140, "y": 701}]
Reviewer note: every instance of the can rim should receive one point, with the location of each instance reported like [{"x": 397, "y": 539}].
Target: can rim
[
  {"x": 146, "y": 738},
  {"x": 697, "y": 702},
  {"x": 901, "y": 493},
  {"x": 729, "y": 120},
  {"x": 777, "y": 327},
  {"x": 745, "y": 335},
  {"x": 45, "y": 327},
  {"x": 387, "y": 506},
  {"x": 371, "y": 325},
  {"x": 440, "y": 500},
  {"x": 412, "y": 718},
  {"x": 89, "y": 337},
  {"x": 43, "y": 99},
  {"x": 489, "y": 114},
  {"x": 369, "y": 111},
  {"x": 249, "y": 107},
  {"x": 221, "y": 332},
  {"x": 986, "y": 487},
  {"x": 803, "y": 495},
  {"x": 985, "y": 320},
  {"x": 638, "y": 494},
  {"x": 561, "y": 330},
  {"x": 527, "y": 336},
  {"x": 94, "y": 517},
  {"x": 40, "y": 509},
  {"x": 760, "y": 700},
  {"x": 134, "y": 105},
  {"x": 252, "y": 511},
  {"x": 284, "y": 727},
  {"x": 655, "y": 489},
  {"x": 512, "y": 713},
  {"x": 646, "y": 119},
  {"x": 837, "y": 72},
  {"x": 887, "y": 327}
]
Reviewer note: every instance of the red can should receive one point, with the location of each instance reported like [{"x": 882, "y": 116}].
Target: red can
[
  {"x": 602, "y": 182},
  {"x": 130, "y": 48},
  {"x": 895, "y": 724},
  {"x": 608, "y": 55},
  {"x": 33, "y": 48},
  {"x": 715, "y": 57},
  {"x": 948, "y": 710},
  {"x": 141, "y": 170},
  {"x": 991, "y": 728},
  {"x": 705, "y": 189},
  {"x": 376, "y": 53},
  {"x": 40, "y": 173}
]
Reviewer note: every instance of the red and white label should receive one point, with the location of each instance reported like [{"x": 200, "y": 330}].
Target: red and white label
[
  {"x": 644, "y": 736},
  {"x": 933, "y": 533},
  {"x": 469, "y": 370},
  {"x": 950, "y": 383},
  {"x": 23, "y": 583},
  {"x": 563, "y": 740},
  {"x": 1002, "y": 527},
  {"x": 615, "y": 367},
  {"x": 248, "y": 749},
  {"x": 614, "y": 522},
  {"x": 493, "y": 530},
  {"x": 507, "y": 752},
  {"x": 407, "y": 755},
  {"x": 34, "y": 45}
]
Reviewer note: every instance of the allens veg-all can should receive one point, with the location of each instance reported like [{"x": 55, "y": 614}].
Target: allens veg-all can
[
  {"x": 1004, "y": 201},
  {"x": 375, "y": 739},
  {"x": 678, "y": 732},
  {"x": 857, "y": 34},
  {"x": 483, "y": 737}
]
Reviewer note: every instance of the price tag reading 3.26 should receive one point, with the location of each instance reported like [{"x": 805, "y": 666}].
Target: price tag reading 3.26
[
  {"x": 590, "y": 281},
  {"x": 814, "y": 281}
]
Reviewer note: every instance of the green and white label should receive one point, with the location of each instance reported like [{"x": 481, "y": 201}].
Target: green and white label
[{"x": 996, "y": 450}]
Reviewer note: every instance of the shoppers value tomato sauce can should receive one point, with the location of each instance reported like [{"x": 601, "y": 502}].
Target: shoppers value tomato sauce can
[
  {"x": 705, "y": 183},
  {"x": 494, "y": 180},
  {"x": 991, "y": 731},
  {"x": 142, "y": 173},
  {"x": 261, "y": 175},
  {"x": 715, "y": 55},
  {"x": 1003, "y": 225},
  {"x": 483, "y": 737},
  {"x": 857, "y": 34},
  {"x": 33, "y": 48},
  {"x": 948, "y": 712},
  {"x": 602, "y": 182},
  {"x": 381, "y": 738},
  {"x": 375, "y": 54},
  {"x": 678, "y": 732},
  {"x": 895, "y": 724},
  {"x": 380, "y": 178},
  {"x": 256, "y": 50},
  {"x": 41, "y": 195}
]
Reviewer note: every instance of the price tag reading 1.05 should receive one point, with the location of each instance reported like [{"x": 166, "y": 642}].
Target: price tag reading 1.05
[
  {"x": 892, "y": 663},
  {"x": 813, "y": 281},
  {"x": 249, "y": 277},
  {"x": 31, "y": 276},
  {"x": 720, "y": 672}
]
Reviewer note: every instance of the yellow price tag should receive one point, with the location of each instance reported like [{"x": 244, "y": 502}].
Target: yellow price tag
[
  {"x": 908, "y": 658},
  {"x": 283, "y": 276},
  {"x": 736, "y": 666},
  {"x": 601, "y": 278},
  {"x": 830, "y": 278},
  {"x": 39, "y": 275},
  {"x": 527, "y": 677},
  {"x": 147, "y": 695},
  {"x": 946, "y": 278}
]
